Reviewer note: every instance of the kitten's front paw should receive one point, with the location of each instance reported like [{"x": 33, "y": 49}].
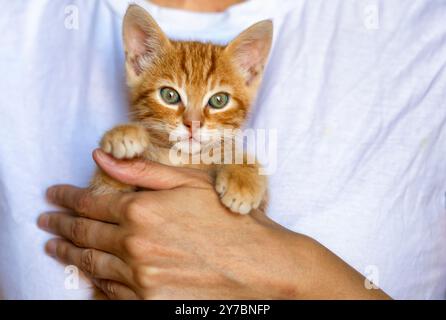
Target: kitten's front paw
[
  {"x": 125, "y": 142},
  {"x": 241, "y": 189}
]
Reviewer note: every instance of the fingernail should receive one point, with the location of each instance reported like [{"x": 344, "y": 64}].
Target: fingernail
[
  {"x": 50, "y": 193},
  {"x": 104, "y": 158},
  {"x": 43, "y": 221},
  {"x": 51, "y": 247}
]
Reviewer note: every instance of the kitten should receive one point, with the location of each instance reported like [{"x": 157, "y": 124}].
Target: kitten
[{"x": 193, "y": 91}]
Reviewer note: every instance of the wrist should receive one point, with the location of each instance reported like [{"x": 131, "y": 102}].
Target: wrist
[
  {"x": 327, "y": 276},
  {"x": 278, "y": 272},
  {"x": 299, "y": 267}
]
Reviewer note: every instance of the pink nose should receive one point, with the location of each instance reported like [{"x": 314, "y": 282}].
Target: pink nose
[{"x": 192, "y": 124}]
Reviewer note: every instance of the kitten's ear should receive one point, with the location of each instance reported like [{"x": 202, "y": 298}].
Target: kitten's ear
[
  {"x": 143, "y": 39},
  {"x": 250, "y": 49}
]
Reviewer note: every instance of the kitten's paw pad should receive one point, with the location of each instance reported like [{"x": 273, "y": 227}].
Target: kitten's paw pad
[
  {"x": 125, "y": 142},
  {"x": 239, "y": 197}
]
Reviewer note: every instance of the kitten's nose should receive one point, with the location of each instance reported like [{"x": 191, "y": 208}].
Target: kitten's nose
[{"x": 192, "y": 122}]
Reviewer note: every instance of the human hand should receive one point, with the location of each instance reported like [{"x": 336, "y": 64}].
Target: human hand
[{"x": 179, "y": 242}]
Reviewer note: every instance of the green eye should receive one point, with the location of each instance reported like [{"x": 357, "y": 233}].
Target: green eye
[
  {"x": 169, "y": 95},
  {"x": 219, "y": 100}
]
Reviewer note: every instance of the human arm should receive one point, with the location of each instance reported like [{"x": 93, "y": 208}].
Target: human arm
[{"x": 180, "y": 242}]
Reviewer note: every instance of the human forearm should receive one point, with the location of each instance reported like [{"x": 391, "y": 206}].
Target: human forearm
[{"x": 318, "y": 273}]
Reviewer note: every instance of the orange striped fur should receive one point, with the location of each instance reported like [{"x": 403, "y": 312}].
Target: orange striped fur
[{"x": 196, "y": 71}]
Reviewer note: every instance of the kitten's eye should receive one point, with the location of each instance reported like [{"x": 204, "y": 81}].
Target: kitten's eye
[
  {"x": 169, "y": 95},
  {"x": 219, "y": 100}
]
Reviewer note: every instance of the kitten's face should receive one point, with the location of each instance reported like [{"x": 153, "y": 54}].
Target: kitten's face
[{"x": 190, "y": 91}]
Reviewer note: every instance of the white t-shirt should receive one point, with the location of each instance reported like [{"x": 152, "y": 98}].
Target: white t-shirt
[{"x": 356, "y": 91}]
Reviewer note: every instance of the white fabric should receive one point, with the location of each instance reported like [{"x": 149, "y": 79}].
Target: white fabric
[{"x": 358, "y": 104}]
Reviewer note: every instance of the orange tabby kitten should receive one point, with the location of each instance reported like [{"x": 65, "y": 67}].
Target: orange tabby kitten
[{"x": 192, "y": 91}]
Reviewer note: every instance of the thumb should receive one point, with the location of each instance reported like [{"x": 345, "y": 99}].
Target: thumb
[{"x": 151, "y": 175}]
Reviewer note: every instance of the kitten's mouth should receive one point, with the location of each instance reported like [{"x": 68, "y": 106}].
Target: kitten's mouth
[
  {"x": 194, "y": 140},
  {"x": 191, "y": 143}
]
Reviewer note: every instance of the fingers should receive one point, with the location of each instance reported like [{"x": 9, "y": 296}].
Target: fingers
[
  {"x": 149, "y": 174},
  {"x": 115, "y": 290},
  {"x": 94, "y": 263},
  {"x": 83, "y": 232},
  {"x": 104, "y": 208}
]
